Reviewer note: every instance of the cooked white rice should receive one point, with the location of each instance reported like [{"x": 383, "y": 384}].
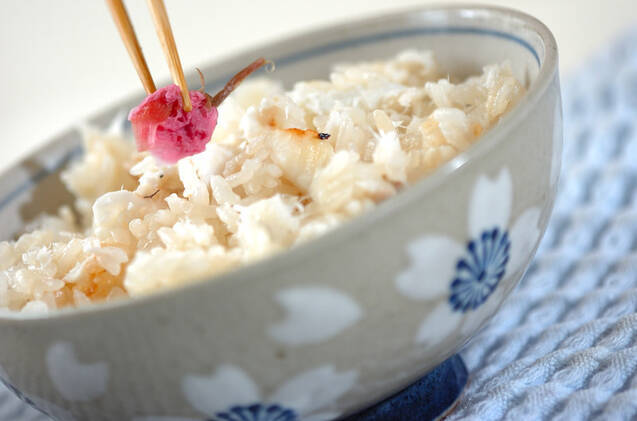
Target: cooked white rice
[{"x": 266, "y": 181}]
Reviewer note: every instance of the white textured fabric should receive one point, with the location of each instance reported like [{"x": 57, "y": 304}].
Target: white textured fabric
[
  {"x": 14, "y": 409},
  {"x": 564, "y": 345}
]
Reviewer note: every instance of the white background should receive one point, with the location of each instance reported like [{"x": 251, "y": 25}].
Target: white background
[{"x": 63, "y": 59}]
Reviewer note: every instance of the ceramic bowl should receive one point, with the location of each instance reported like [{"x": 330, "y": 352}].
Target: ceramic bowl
[{"x": 334, "y": 325}]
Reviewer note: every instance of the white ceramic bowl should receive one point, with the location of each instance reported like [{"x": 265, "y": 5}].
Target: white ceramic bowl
[{"x": 343, "y": 321}]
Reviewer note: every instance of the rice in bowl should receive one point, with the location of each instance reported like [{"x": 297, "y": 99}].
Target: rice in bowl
[{"x": 281, "y": 169}]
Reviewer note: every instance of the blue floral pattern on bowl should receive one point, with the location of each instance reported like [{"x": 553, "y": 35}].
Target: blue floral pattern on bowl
[
  {"x": 463, "y": 278},
  {"x": 257, "y": 412},
  {"x": 230, "y": 394},
  {"x": 480, "y": 270}
]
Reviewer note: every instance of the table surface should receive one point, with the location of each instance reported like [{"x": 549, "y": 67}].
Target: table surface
[{"x": 63, "y": 60}]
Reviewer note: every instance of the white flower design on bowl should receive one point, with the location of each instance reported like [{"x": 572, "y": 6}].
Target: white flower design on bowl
[
  {"x": 74, "y": 380},
  {"x": 458, "y": 279},
  {"x": 231, "y": 395},
  {"x": 314, "y": 314}
]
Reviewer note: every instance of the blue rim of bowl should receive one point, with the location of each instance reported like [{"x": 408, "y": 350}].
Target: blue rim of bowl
[{"x": 547, "y": 70}]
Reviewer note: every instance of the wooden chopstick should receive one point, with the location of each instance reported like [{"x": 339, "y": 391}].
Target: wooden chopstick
[
  {"x": 126, "y": 31},
  {"x": 165, "y": 33}
]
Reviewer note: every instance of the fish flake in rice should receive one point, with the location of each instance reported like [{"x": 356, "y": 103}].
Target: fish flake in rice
[{"x": 282, "y": 168}]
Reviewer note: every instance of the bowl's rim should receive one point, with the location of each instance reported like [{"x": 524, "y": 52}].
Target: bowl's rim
[{"x": 547, "y": 73}]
